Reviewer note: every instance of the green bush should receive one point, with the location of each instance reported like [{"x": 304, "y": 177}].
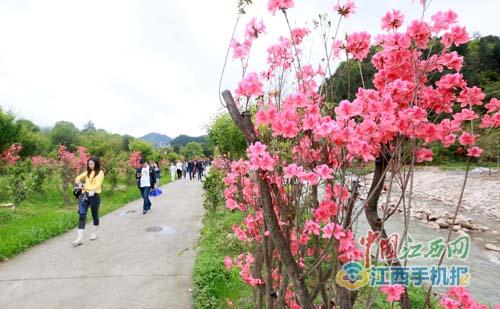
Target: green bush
[
  {"x": 21, "y": 181},
  {"x": 213, "y": 188}
]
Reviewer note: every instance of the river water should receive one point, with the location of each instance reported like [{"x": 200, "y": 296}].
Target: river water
[{"x": 484, "y": 264}]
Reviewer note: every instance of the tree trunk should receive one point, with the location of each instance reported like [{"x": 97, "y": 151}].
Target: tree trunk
[
  {"x": 244, "y": 122},
  {"x": 375, "y": 222}
]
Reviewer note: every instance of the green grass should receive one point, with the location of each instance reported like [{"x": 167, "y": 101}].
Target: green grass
[
  {"x": 45, "y": 216},
  {"x": 459, "y": 165},
  {"x": 213, "y": 284}
]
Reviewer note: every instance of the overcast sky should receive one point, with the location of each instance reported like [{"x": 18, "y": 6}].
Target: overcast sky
[{"x": 154, "y": 65}]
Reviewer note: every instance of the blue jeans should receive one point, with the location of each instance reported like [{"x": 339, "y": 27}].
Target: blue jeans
[
  {"x": 83, "y": 206},
  {"x": 145, "y": 196}
]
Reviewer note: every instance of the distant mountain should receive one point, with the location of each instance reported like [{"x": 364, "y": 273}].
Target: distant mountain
[
  {"x": 183, "y": 140},
  {"x": 157, "y": 139}
]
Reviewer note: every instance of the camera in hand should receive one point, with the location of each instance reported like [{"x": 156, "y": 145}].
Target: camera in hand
[{"x": 77, "y": 191}]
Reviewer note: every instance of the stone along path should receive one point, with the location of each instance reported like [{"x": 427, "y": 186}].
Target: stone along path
[{"x": 139, "y": 261}]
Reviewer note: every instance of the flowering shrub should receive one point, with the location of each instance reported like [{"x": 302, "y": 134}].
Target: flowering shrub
[
  {"x": 297, "y": 190},
  {"x": 11, "y": 155},
  {"x": 134, "y": 159},
  {"x": 68, "y": 166}
]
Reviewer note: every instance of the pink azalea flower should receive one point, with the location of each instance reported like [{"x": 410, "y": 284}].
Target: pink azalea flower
[
  {"x": 467, "y": 139},
  {"x": 419, "y": 32},
  {"x": 423, "y": 154},
  {"x": 298, "y": 34},
  {"x": 392, "y": 20},
  {"x": 231, "y": 204},
  {"x": 493, "y": 106},
  {"x": 474, "y": 152},
  {"x": 337, "y": 46},
  {"x": 311, "y": 227},
  {"x": 328, "y": 230},
  {"x": 274, "y": 5},
  {"x": 228, "y": 262},
  {"x": 443, "y": 20},
  {"x": 465, "y": 115},
  {"x": 491, "y": 121},
  {"x": 292, "y": 170},
  {"x": 309, "y": 177},
  {"x": 253, "y": 29},
  {"x": 256, "y": 149},
  {"x": 358, "y": 45},
  {"x": 346, "y": 9},
  {"x": 240, "y": 50},
  {"x": 393, "y": 292},
  {"x": 333, "y": 230},
  {"x": 347, "y": 109},
  {"x": 471, "y": 96},
  {"x": 456, "y": 36},
  {"x": 450, "y": 303},
  {"x": 450, "y": 60},
  {"x": 324, "y": 171},
  {"x": 250, "y": 86}
]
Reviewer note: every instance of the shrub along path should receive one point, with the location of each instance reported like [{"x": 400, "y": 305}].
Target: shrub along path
[{"x": 139, "y": 261}]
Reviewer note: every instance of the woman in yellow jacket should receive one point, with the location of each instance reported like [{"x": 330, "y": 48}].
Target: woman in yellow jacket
[{"x": 92, "y": 186}]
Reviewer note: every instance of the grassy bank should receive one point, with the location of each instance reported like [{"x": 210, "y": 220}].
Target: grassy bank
[
  {"x": 213, "y": 284},
  {"x": 44, "y": 216}
]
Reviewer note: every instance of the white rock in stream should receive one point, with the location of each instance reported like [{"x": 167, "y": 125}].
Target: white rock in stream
[
  {"x": 442, "y": 223},
  {"x": 492, "y": 247},
  {"x": 434, "y": 225}
]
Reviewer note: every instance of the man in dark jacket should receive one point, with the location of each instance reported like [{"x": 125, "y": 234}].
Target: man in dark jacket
[
  {"x": 190, "y": 169},
  {"x": 199, "y": 169},
  {"x": 145, "y": 181}
]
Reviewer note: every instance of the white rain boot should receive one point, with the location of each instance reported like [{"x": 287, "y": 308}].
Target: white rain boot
[
  {"x": 93, "y": 236},
  {"x": 79, "y": 238}
]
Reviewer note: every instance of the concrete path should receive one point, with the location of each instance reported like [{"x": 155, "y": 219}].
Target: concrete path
[{"x": 133, "y": 264}]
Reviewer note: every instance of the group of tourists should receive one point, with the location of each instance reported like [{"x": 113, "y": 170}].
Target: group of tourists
[
  {"x": 88, "y": 187},
  {"x": 194, "y": 168}
]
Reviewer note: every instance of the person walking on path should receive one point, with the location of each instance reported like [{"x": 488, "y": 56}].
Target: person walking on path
[
  {"x": 199, "y": 169},
  {"x": 179, "y": 169},
  {"x": 173, "y": 171},
  {"x": 190, "y": 169},
  {"x": 91, "y": 189},
  {"x": 145, "y": 181},
  {"x": 184, "y": 169},
  {"x": 157, "y": 170}
]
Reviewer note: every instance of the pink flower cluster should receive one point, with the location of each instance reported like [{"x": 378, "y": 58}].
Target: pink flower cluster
[
  {"x": 459, "y": 297},
  {"x": 37, "y": 161},
  {"x": 252, "y": 31},
  {"x": 393, "y": 292},
  {"x": 70, "y": 161},
  {"x": 250, "y": 86},
  {"x": 274, "y": 5},
  {"x": 11, "y": 155},
  {"x": 260, "y": 158},
  {"x": 134, "y": 159}
]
